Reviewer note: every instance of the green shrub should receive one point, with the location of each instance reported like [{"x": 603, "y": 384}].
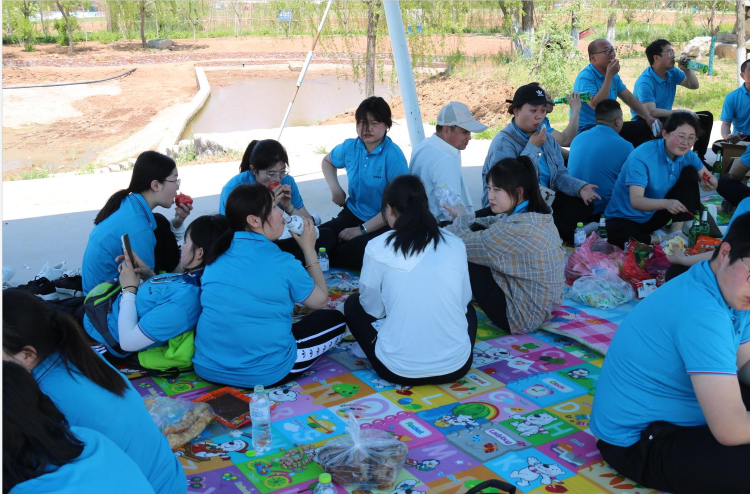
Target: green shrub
[{"x": 62, "y": 28}]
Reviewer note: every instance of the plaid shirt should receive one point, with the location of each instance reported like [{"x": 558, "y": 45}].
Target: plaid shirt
[{"x": 526, "y": 256}]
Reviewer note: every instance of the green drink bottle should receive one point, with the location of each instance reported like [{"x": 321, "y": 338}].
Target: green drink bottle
[
  {"x": 586, "y": 96},
  {"x": 697, "y": 66},
  {"x": 705, "y": 227},
  {"x": 695, "y": 231}
]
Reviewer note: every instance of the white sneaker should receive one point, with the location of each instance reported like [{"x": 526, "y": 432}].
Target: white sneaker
[
  {"x": 52, "y": 273},
  {"x": 316, "y": 219},
  {"x": 8, "y": 273}
]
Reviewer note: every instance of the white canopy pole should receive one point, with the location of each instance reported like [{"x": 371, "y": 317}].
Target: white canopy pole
[
  {"x": 304, "y": 69},
  {"x": 404, "y": 71}
]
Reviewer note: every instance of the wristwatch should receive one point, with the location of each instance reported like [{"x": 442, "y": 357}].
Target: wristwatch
[{"x": 363, "y": 228}]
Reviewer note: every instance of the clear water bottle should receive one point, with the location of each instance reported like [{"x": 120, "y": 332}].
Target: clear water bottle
[
  {"x": 324, "y": 485},
  {"x": 323, "y": 260},
  {"x": 579, "y": 236},
  {"x": 260, "y": 413},
  {"x": 447, "y": 196}
]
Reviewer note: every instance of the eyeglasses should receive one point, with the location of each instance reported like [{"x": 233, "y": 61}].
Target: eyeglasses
[
  {"x": 275, "y": 174},
  {"x": 176, "y": 182},
  {"x": 748, "y": 270},
  {"x": 608, "y": 51},
  {"x": 668, "y": 53},
  {"x": 685, "y": 139}
]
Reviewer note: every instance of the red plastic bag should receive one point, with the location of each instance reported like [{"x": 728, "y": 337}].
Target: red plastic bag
[
  {"x": 635, "y": 262},
  {"x": 595, "y": 256}
]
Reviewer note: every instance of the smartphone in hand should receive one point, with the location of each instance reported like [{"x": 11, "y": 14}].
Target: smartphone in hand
[{"x": 126, "y": 245}]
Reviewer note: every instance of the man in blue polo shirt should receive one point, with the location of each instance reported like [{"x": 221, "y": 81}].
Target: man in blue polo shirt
[
  {"x": 671, "y": 408},
  {"x": 601, "y": 79},
  {"x": 735, "y": 114},
  {"x": 731, "y": 186},
  {"x": 371, "y": 161},
  {"x": 656, "y": 88},
  {"x": 597, "y": 155}
]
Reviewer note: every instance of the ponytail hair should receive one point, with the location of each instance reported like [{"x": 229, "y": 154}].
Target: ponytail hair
[
  {"x": 149, "y": 166},
  {"x": 415, "y": 227},
  {"x": 245, "y": 200},
  {"x": 205, "y": 230},
  {"x": 512, "y": 174},
  {"x": 28, "y": 322},
  {"x": 263, "y": 155},
  {"x": 35, "y": 432}
]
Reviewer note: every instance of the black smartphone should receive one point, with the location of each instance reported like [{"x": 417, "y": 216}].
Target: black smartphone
[{"x": 126, "y": 245}]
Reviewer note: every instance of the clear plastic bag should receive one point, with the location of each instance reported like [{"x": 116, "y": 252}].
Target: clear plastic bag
[
  {"x": 180, "y": 421},
  {"x": 368, "y": 459},
  {"x": 603, "y": 291}
]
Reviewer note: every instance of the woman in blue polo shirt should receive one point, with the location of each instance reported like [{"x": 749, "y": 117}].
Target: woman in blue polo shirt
[
  {"x": 266, "y": 162},
  {"x": 371, "y": 161},
  {"x": 154, "y": 183},
  {"x": 166, "y": 305},
  {"x": 86, "y": 389},
  {"x": 658, "y": 183},
  {"x": 245, "y": 334},
  {"x": 42, "y": 453}
]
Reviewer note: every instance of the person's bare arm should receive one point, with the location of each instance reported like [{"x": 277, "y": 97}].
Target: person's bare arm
[
  {"x": 635, "y": 105},
  {"x": 330, "y": 173},
  {"x": 738, "y": 170},
  {"x": 721, "y": 402},
  {"x": 726, "y": 129},
  {"x": 642, "y": 203},
  {"x": 565, "y": 137},
  {"x": 612, "y": 69},
  {"x": 691, "y": 80},
  {"x": 743, "y": 363},
  {"x": 657, "y": 112}
]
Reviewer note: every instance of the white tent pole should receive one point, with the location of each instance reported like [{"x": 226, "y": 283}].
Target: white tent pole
[
  {"x": 304, "y": 68},
  {"x": 404, "y": 71}
]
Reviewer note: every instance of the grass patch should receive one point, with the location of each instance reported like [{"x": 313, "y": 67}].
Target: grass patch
[
  {"x": 86, "y": 170},
  {"x": 488, "y": 133},
  {"x": 229, "y": 155},
  {"x": 34, "y": 174},
  {"x": 320, "y": 150}
]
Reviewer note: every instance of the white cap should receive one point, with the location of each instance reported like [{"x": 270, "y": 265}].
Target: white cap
[{"x": 455, "y": 113}]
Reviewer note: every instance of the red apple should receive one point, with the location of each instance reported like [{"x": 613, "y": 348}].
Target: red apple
[{"x": 183, "y": 199}]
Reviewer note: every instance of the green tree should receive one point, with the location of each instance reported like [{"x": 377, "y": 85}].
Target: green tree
[{"x": 65, "y": 7}]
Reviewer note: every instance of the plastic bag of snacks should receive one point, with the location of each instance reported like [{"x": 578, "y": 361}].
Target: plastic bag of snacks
[
  {"x": 605, "y": 291},
  {"x": 180, "y": 421},
  {"x": 595, "y": 256},
  {"x": 368, "y": 459}
]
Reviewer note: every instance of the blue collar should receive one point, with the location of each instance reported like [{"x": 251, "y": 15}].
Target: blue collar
[
  {"x": 43, "y": 367},
  {"x": 141, "y": 201},
  {"x": 245, "y": 235},
  {"x": 521, "y": 208},
  {"x": 518, "y": 129},
  {"x": 596, "y": 71},
  {"x": 193, "y": 277},
  {"x": 378, "y": 149},
  {"x": 656, "y": 77},
  {"x": 663, "y": 153}
]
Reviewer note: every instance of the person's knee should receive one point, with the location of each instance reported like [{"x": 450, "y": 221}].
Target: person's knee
[
  {"x": 738, "y": 171},
  {"x": 352, "y": 305}
]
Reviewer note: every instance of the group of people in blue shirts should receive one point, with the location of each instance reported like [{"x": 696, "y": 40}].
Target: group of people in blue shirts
[{"x": 224, "y": 301}]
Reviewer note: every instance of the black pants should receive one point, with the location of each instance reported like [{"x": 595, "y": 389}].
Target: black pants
[
  {"x": 620, "y": 230},
  {"x": 489, "y": 295},
  {"x": 326, "y": 239},
  {"x": 567, "y": 211},
  {"x": 683, "y": 460},
  {"x": 706, "y": 120},
  {"x": 636, "y": 132},
  {"x": 360, "y": 324},
  {"x": 732, "y": 190},
  {"x": 674, "y": 271},
  {"x": 315, "y": 333},
  {"x": 348, "y": 255}
]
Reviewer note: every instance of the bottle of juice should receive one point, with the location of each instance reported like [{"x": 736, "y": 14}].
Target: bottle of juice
[
  {"x": 585, "y": 96},
  {"x": 697, "y": 66}
]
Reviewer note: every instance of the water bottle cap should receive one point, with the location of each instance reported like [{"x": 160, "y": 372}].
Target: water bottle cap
[
  {"x": 579, "y": 224},
  {"x": 325, "y": 478},
  {"x": 258, "y": 388},
  {"x": 322, "y": 249}
]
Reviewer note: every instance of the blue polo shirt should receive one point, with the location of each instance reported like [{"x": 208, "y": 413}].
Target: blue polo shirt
[
  {"x": 368, "y": 173},
  {"x": 736, "y": 109},
  {"x": 591, "y": 80},
  {"x": 649, "y": 167},
  {"x": 742, "y": 208},
  {"x": 123, "y": 419},
  {"x": 105, "y": 241},
  {"x": 650, "y": 88},
  {"x": 167, "y": 304},
  {"x": 244, "y": 334},
  {"x": 90, "y": 473},
  {"x": 249, "y": 179},
  {"x": 596, "y": 157},
  {"x": 646, "y": 375}
]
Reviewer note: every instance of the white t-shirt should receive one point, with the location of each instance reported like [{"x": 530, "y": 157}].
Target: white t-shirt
[
  {"x": 424, "y": 297},
  {"x": 436, "y": 162}
]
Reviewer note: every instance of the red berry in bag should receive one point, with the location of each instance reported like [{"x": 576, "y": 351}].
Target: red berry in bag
[
  {"x": 273, "y": 185},
  {"x": 183, "y": 199}
]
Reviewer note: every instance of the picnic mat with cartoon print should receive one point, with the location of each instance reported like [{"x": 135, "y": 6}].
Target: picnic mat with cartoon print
[{"x": 521, "y": 414}]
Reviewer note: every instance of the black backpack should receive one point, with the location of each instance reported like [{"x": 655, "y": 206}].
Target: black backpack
[{"x": 98, "y": 305}]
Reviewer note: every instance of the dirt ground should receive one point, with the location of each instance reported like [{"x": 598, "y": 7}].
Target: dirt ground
[{"x": 91, "y": 124}]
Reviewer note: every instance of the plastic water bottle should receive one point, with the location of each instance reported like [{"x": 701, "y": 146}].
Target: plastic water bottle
[
  {"x": 323, "y": 260},
  {"x": 602, "y": 230},
  {"x": 296, "y": 224},
  {"x": 579, "y": 236},
  {"x": 324, "y": 485},
  {"x": 260, "y": 413},
  {"x": 447, "y": 196}
]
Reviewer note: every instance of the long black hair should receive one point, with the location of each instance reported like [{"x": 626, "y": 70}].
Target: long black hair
[
  {"x": 149, "y": 166},
  {"x": 28, "y": 322},
  {"x": 415, "y": 227},
  {"x": 263, "y": 155},
  {"x": 204, "y": 231},
  {"x": 510, "y": 174},
  {"x": 35, "y": 432},
  {"x": 245, "y": 200}
]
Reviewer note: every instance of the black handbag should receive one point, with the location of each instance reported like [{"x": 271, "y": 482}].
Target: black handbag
[{"x": 494, "y": 483}]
